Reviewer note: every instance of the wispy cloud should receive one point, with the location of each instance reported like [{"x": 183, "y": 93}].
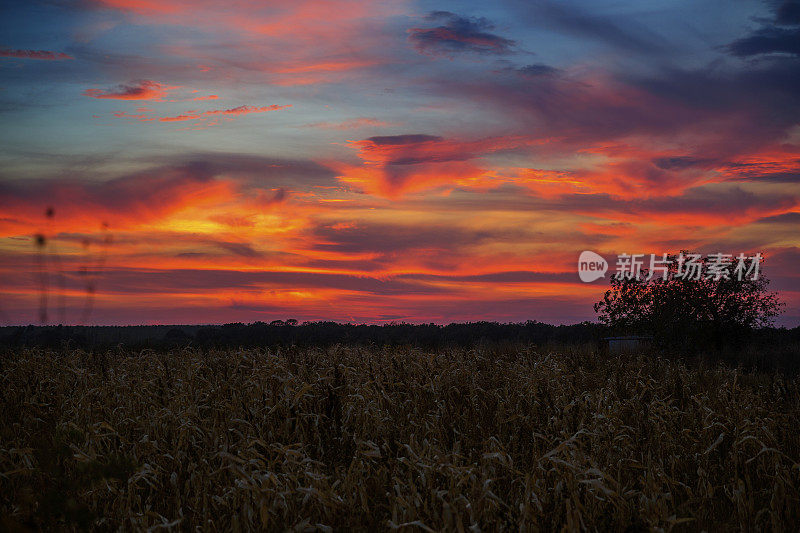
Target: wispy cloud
[
  {"x": 351, "y": 124},
  {"x": 34, "y": 54},
  {"x": 233, "y": 112}
]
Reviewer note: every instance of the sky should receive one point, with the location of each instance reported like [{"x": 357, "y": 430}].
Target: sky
[{"x": 198, "y": 161}]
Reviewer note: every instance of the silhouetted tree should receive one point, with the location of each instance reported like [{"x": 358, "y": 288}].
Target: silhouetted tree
[{"x": 688, "y": 312}]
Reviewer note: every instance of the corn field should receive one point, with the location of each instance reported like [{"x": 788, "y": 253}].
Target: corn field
[{"x": 369, "y": 438}]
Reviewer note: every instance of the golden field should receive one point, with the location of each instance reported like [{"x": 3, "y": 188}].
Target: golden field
[{"x": 370, "y": 438}]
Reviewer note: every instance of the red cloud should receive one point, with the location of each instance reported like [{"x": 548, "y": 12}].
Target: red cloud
[
  {"x": 241, "y": 110},
  {"x": 353, "y": 31},
  {"x": 246, "y": 109},
  {"x": 350, "y": 124},
  {"x": 179, "y": 118},
  {"x": 34, "y": 54},
  {"x": 141, "y": 90},
  {"x": 397, "y": 164}
]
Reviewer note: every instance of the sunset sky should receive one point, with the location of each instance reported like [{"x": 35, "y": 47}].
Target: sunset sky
[{"x": 420, "y": 161}]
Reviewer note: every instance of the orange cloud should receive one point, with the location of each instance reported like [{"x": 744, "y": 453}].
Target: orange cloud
[
  {"x": 397, "y": 164},
  {"x": 551, "y": 183},
  {"x": 236, "y": 111},
  {"x": 141, "y": 90},
  {"x": 179, "y": 118},
  {"x": 128, "y": 201},
  {"x": 247, "y": 109},
  {"x": 350, "y": 124}
]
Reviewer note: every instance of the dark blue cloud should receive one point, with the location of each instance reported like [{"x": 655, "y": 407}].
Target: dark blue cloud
[
  {"x": 780, "y": 35},
  {"x": 459, "y": 34},
  {"x": 395, "y": 239},
  {"x": 785, "y": 218},
  {"x": 788, "y": 12},
  {"x": 573, "y": 20},
  {"x": 768, "y": 40},
  {"x": 409, "y": 138},
  {"x": 681, "y": 162},
  {"x": 537, "y": 69}
]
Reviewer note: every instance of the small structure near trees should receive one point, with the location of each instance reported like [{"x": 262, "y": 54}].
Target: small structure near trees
[{"x": 630, "y": 343}]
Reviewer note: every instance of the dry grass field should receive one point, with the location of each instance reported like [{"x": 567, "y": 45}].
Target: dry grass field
[{"x": 493, "y": 438}]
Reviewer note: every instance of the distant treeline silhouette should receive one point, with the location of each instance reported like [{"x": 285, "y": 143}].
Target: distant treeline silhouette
[
  {"x": 323, "y": 334},
  {"x": 288, "y": 333}
]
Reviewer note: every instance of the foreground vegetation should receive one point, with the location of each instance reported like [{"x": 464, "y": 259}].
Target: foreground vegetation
[{"x": 483, "y": 438}]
